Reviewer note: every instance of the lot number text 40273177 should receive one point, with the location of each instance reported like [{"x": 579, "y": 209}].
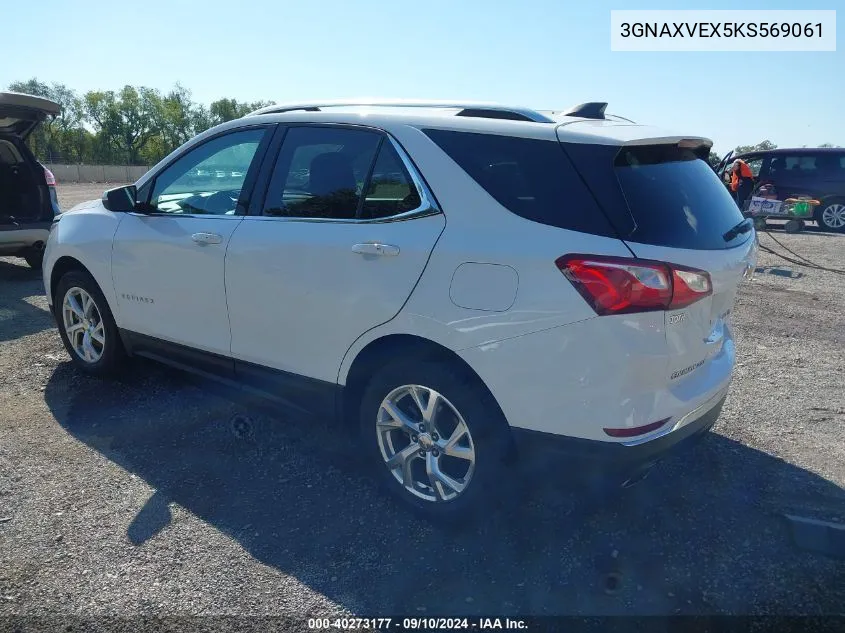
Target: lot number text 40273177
[{"x": 417, "y": 623}]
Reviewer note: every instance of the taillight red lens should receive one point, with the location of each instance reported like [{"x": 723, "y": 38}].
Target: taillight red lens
[
  {"x": 49, "y": 177},
  {"x": 621, "y": 285},
  {"x": 688, "y": 286}
]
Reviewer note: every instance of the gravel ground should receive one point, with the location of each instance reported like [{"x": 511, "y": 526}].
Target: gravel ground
[{"x": 150, "y": 496}]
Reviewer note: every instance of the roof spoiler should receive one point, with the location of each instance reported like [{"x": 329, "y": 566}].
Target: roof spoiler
[{"x": 589, "y": 110}]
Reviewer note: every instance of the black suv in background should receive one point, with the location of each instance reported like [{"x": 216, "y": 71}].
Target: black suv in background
[{"x": 819, "y": 173}]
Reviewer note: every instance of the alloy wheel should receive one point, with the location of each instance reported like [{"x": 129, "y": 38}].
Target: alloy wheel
[
  {"x": 83, "y": 325},
  {"x": 833, "y": 216},
  {"x": 425, "y": 443}
]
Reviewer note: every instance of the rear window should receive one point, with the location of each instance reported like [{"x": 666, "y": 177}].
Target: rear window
[
  {"x": 659, "y": 194},
  {"x": 532, "y": 178},
  {"x": 675, "y": 199}
]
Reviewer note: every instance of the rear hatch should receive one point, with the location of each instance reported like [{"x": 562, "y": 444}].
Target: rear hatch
[
  {"x": 20, "y": 113},
  {"x": 669, "y": 207}
]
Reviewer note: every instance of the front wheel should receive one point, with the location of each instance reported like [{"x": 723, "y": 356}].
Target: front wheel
[
  {"x": 436, "y": 438},
  {"x": 86, "y": 325},
  {"x": 831, "y": 216}
]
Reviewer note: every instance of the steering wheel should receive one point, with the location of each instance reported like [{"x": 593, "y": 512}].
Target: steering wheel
[{"x": 220, "y": 202}]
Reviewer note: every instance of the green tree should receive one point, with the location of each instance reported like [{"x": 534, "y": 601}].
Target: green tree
[
  {"x": 56, "y": 138},
  {"x": 138, "y": 125},
  {"x": 714, "y": 159},
  {"x": 760, "y": 147},
  {"x": 127, "y": 120},
  {"x": 175, "y": 118},
  {"x": 224, "y": 110}
]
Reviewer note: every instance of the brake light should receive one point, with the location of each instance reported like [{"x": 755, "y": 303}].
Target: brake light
[
  {"x": 621, "y": 285},
  {"x": 49, "y": 177}
]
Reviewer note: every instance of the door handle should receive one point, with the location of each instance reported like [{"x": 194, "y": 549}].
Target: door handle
[
  {"x": 206, "y": 238},
  {"x": 375, "y": 248}
]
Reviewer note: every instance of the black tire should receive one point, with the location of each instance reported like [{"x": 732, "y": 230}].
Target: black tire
[
  {"x": 34, "y": 259},
  {"x": 113, "y": 355},
  {"x": 793, "y": 226},
  {"x": 487, "y": 426},
  {"x": 819, "y": 214}
]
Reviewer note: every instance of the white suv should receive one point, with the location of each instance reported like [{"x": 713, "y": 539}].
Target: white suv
[{"x": 460, "y": 282}]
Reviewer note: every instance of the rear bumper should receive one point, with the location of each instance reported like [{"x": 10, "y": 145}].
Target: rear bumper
[
  {"x": 17, "y": 239},
  {"x": 540, "y": 451}
]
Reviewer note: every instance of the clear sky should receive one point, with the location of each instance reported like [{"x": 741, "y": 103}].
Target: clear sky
[{"x": 546, "y": 54}]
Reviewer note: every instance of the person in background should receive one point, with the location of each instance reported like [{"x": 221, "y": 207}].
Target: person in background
[{"x": 742, "y": 181}]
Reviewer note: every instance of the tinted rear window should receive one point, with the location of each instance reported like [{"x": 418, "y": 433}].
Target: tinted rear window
[
  {"x": 532, "y": 178},
  {"x": 675, "y": 199},
  {"x": 659, "y": 194}
]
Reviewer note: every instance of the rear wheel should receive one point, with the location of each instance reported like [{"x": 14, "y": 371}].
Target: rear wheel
[
  {"x": 793, "y": 226},
  {"x": 437, "y": 440},
  {"x": 86, "y": 325},
  {"x": 830, "y": 215}
]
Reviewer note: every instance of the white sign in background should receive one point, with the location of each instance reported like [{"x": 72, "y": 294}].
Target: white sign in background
[{"x": 722, "y": 30}]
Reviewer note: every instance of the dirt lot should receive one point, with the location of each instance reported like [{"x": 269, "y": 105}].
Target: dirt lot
[{"x": 142, "y": 496}]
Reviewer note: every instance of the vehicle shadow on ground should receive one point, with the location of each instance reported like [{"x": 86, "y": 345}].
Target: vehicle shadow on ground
[
  {"x": 21, "y": 318},
  {"x": 703, "y": 534}
]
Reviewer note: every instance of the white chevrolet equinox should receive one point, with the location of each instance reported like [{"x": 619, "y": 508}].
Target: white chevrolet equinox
[{"x": 461, "y": 283}]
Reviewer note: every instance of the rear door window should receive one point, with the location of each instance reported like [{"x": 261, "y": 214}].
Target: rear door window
[
  {"x": 390, "y": 190},
  {"x": 800, "y": 165},
  {"x": 321, "y": 172}
]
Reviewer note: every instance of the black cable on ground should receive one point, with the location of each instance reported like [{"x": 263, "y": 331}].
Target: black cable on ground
[
  {"x": 790, "y": 251},
  {"x": 806, "y": 263}
]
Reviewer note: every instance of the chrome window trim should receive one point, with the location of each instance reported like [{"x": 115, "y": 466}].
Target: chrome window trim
[
  {"x": 408, "y": 215},
  {"x": 428, "y": 204},
  {"x": 201, "y": 216}
]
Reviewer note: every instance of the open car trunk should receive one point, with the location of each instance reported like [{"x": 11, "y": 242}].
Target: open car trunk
[
  {"x": 20, "y": 113},
  {"x": 27, "y": 197}
]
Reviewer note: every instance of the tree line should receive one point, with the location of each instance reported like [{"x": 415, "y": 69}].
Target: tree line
[
  {"x": 714, "y": 159},
  {"x": 132, "y": 126},
  {"x": 141, "y": 125}
]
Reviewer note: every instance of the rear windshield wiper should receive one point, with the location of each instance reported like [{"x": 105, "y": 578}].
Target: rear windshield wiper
[{"x": 742, "y": 227}]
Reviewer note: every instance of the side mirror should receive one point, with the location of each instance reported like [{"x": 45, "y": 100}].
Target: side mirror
[{"x": 121, "y": 199}]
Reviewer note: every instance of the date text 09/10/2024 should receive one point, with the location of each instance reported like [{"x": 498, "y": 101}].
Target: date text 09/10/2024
[{"x": 414, "y": 624}]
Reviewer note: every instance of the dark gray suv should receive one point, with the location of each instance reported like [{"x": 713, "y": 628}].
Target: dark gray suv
[
  {"x": 819, "y": 173},
  {"x": 28, "y": 199}
]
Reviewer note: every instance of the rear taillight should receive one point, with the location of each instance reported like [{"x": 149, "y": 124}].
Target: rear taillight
[
  {"x": 49, "y": 177},
  {"x": 621, "y": 285}
]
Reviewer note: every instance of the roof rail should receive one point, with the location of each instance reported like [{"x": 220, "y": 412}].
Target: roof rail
[{"x": 471, "y": 109}]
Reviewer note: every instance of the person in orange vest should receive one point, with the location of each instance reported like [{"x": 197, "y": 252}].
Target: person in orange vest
[{"x": 742, "y": 181}]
